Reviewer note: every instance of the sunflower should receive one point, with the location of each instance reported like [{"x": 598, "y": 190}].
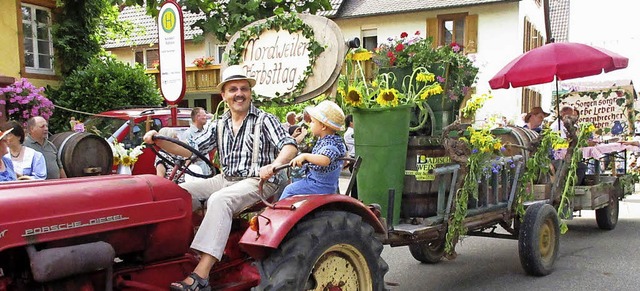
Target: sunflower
[
  {"x": 434, "y": 89},
  {"x": 363, "y": 55},
  {"x": 127, "y": 161},
  {"x": 425, "y": 77},
  {"x": 116, "y": 160},
  {"x": 388, "y": 97},
  {"x": 354, "y": 97}
]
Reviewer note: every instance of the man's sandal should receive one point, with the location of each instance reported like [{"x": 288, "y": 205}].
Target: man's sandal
[{"x": 199, "y": 284}]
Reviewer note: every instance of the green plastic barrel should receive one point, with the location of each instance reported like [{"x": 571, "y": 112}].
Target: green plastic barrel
[{"x": 381, "y": 137}]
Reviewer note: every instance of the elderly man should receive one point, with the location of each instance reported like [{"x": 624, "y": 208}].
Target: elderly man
[
  {"x": 198, "y": 121},
  {"x": 236, "y": 188},
  {"x": 38, "y": 139}
]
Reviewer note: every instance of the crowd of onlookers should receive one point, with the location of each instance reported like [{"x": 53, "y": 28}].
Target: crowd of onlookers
[{"x": 26, "y": 152}]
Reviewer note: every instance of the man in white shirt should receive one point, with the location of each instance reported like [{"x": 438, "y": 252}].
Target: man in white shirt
[{"x": 198, "y": 121}]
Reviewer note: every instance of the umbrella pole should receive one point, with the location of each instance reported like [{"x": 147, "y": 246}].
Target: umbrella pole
[{"x": 557, "y": 105}]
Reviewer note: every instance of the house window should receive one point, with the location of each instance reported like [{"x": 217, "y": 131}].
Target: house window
[
  {"x": 369, "y": 39},
  {"x": 460, "y": 28},
  {"x": 221, "y": 49},
  {"x": 147, "y": 57},
  {"x": 38, "y": 47},
  {"x": 532, "y": 36},
  {"x": 530, "y": 99},
  {"x": 452, "y": 29}
]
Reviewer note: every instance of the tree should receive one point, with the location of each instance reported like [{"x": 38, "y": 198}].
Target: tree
[
  {"x": 224, "y": 18},
  {"x": 103, "y": 84}
]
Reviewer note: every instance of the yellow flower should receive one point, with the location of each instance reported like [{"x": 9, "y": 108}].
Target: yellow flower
[
  {"x": 434, "y": 89},
  {"x": 361, "y": 56},
  {"x": 342, "y": 92},
  {"x": 374, "y": 83},
  {"x": 388, "y": 97},
  {"x": 116, "y": 160},
  {"x": 127, "y": 161},
  {"x": 425, "y": 77},
  {"x": 354, "y": 97}
]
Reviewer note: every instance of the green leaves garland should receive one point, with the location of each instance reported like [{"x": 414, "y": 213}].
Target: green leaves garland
[
  {"x": 534, "y": 169},
  {"x": 291, "y": 23},
  {"x": 484, "y": 148},
  {"x": 564, "y": 212}
]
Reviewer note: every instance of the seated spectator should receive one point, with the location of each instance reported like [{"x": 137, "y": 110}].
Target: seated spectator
[
  {"x": 323, "y": 162},
  {"x": 6, "y": 166},
  {"x": 533, "y": 119},
  {"x": 28, "y": 164}
]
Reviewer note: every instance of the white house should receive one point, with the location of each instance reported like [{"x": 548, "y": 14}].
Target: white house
[{"x": 493, "y": 32}]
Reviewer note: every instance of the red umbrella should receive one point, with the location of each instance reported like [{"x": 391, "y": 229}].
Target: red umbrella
[
  {"x": 562, "y": 61},
  {"x": 559, "y": 61}
]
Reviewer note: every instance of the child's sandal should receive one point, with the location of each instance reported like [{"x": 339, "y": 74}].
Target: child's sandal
[{"x": 199, "y": 284}]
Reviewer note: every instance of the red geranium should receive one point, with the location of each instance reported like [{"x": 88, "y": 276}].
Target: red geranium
[{"x": 397, "y": 51}]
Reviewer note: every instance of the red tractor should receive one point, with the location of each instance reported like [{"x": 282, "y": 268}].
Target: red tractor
[{"x": 133, "y": 233}]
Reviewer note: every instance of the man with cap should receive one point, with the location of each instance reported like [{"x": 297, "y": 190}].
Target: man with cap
[
  {"x": 243, "y": 164},
  {"x": 534, "y": 119},
  {"x": 323, "y": 165}
]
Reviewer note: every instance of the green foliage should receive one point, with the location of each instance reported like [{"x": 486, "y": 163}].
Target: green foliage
[
  {"x": 80, "y": 29},
  {"x": 535, "y": 167},
  {"x": 281, "y": 111},
  {"x": 224, "y": 18},
  {"x": 103, "y": 84}
]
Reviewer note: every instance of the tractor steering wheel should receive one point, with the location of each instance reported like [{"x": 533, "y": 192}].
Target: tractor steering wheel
[{"x": 182, "y": 167}]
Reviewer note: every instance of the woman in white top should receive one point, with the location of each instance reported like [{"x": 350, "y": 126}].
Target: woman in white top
[{"x": 28, "y": 163}]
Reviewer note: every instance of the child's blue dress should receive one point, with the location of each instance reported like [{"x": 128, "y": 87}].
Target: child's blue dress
[{"x": 320, "y": 180}]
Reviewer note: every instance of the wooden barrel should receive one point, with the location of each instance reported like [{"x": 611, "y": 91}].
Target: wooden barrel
[
  {"x": 83, "y": 153},
  {"x": 516, "y": 139},
  {"x": 420, "y": 194}
]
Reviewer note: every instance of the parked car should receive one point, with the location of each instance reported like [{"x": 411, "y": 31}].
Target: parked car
[{"x": 129, "y": 125}]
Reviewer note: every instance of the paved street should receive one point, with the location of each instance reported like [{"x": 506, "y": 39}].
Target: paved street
[{"x": 590, "y": 259}]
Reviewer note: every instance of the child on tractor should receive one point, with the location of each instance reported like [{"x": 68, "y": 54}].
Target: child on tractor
[{"x": 324, "y": 165}]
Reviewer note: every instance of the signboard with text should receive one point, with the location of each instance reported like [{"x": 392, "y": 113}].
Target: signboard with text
[
  {"x": 171, "y": 46},
  {"x": 609, "y": 110}
]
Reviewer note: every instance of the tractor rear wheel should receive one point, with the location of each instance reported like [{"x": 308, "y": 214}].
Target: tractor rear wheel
[
  {"x": 330, "y": 250},
  {"x": 539, "y": 239},
  {"x": 607, "y": 217},
  {"x": 428, "y": 253}
]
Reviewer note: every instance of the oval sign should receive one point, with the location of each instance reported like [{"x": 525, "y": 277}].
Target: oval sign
[{"x": 278, "y": 59}]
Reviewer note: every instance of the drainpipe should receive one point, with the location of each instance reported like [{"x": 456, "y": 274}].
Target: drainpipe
[{"x": 547, "y": 21}]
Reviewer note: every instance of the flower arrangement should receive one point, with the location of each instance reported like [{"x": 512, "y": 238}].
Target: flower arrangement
[
  {"x": 397, "y": 52},
  {"x": 485, "y": 147},
  {"x": 385, "y": 90},
  {"x": 24, "y": 100},
  {"x": 476, "y": 102},
  {"x": 203, "y": 62},
  {"x": 126, "y": 157},
  {"x": 156, "y": 64},
  {"x": 454, "y": 70}
]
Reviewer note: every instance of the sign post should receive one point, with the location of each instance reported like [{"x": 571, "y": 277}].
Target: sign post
[{"x": 171, "y": 46}]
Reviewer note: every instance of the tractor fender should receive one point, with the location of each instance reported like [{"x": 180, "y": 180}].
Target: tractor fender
[{"x": 274, "y": 223}]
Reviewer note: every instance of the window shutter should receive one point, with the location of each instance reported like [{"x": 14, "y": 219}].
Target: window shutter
[
  {"x": 432, "y": 31},
  {"x": 471, "y": 34}
]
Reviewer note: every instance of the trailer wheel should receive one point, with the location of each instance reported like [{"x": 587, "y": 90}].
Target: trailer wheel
[
  {"x": 539, "y": 239},
  {"x": 331, "y": 250},
  {"x": 607, "y": 217},
  {"x": 428, "y": 253}
]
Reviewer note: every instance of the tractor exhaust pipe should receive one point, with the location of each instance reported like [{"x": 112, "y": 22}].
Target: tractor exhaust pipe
[{"x": 56, "y": 263}]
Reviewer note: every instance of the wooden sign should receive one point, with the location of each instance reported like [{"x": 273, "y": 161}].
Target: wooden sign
[
  {"x": 289, "y": 58},
  {"x": 610, "y": 110}
]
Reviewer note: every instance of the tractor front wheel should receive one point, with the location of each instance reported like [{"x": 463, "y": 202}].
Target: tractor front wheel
[{"x": 330, "y": 250}]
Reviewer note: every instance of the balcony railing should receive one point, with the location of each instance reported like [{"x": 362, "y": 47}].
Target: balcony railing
[
  {"x": 198, "y": 79},
  {"x": 206, "y": 79}
]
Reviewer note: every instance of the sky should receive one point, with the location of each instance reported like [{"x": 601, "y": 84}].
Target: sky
[{"x": 608, "y": 24}]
